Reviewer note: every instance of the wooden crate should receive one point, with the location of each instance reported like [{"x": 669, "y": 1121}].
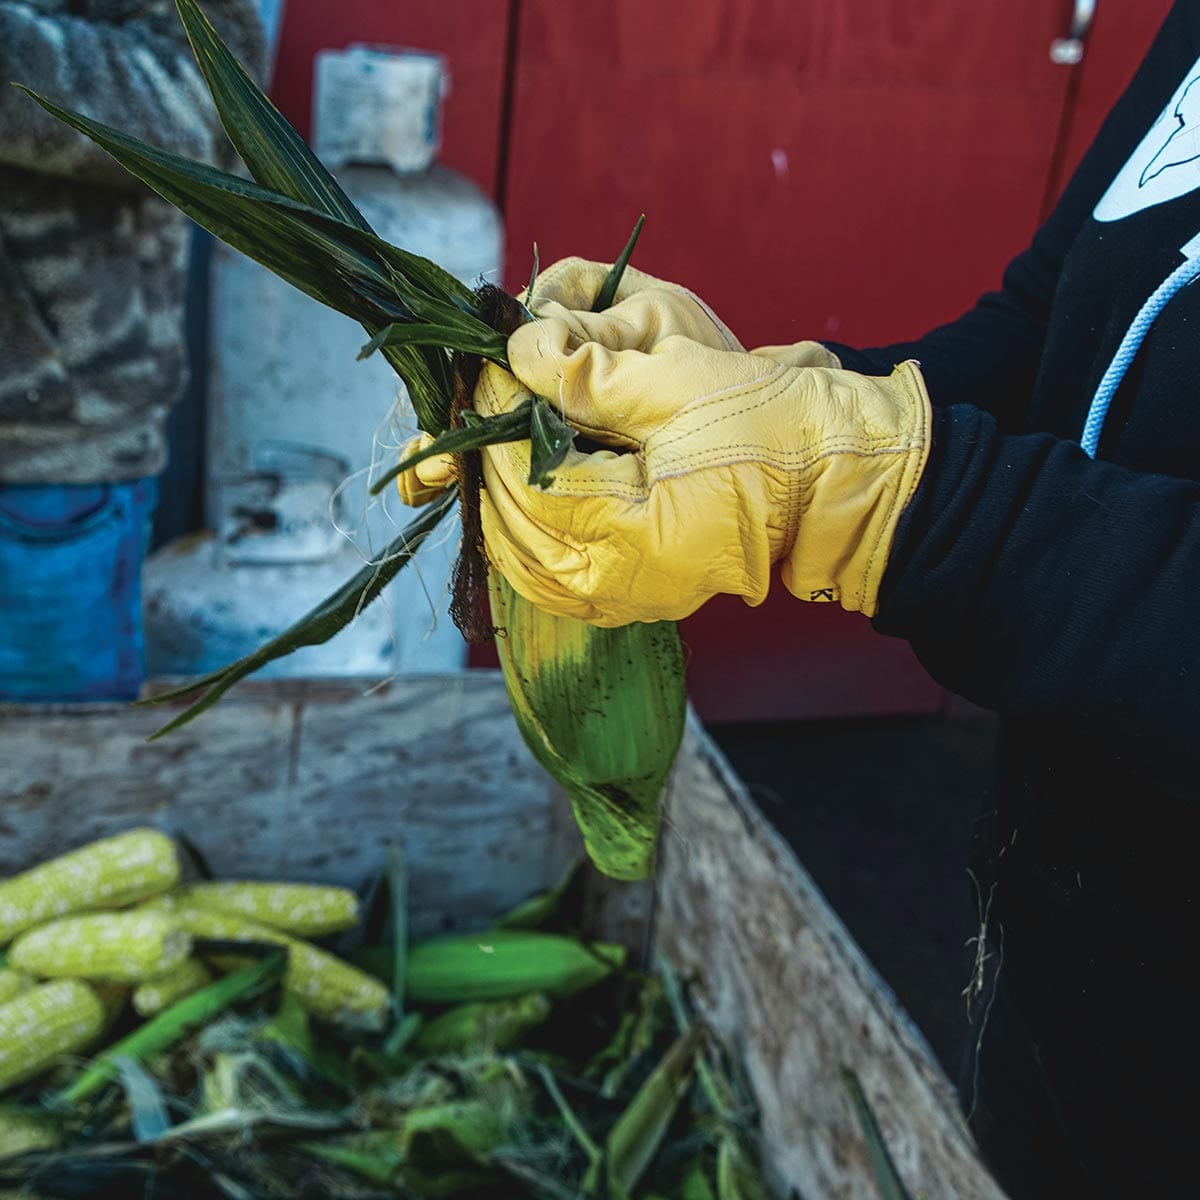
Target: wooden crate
[{"x": 314, "y": 780}]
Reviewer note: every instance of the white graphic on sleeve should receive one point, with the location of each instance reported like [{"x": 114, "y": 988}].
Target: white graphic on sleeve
[
  {"x": 1180, "y": 148},
  {"x": 1166, "y": 163}
]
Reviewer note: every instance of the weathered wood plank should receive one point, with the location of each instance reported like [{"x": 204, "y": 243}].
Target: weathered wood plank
[
  {"x": 779, "y": 975},
  {"x": 304, "y": 781}
]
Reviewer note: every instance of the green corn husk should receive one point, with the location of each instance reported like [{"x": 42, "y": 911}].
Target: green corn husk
[
  {"x": 482, "y": 1025},
  {"x": 635, "y": 1138},
  {"x": 542, "y": 908},
  {"x": 634, "y": 1038},
  {"x": 695, "y": 1184},
  {"x": 503, "y": 964},
  {"x": 602, "y": 709},
  {"x": 173, "y": 1023},
  {"x": 891, "y": 1186}
]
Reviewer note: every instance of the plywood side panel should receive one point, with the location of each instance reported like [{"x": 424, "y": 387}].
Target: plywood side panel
[{"x": 780, "y": 977}]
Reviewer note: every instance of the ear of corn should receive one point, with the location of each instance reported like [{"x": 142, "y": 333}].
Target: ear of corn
[
  {"x": 603, "y": 711},
  {"x": 125, "y": 947},
  {"x": 22, "y": 1132},
  {"x": 13, "y": 983},
  {"x": 109, "y": 873},
  {"x": 43, "y": 1023},
  {"x": 483, "y": 1025},
  {"x": 156, "y": 994},
  {"x": 325, "y": 985},
  {"x": 502, "y": 964},
  {"x": 303, "y": 909}
]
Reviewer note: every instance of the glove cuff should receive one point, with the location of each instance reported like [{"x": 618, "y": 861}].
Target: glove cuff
[{"x": 852, "y": 500}]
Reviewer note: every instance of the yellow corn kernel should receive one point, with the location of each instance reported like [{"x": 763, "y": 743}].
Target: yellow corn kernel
[
  {"x": 51, "y": 1019},
  {"x": 127, "y": 947},
  {"x": 154, "y": 995},
  {"x": 109, "y": 873},
  {"x": 303, "y": 909},
  {"x": 13, "y": 983},
  {"x": 326, "y": 986}
]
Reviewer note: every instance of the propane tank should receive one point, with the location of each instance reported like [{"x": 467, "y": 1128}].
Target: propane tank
[{"x": 295, "y": 422}]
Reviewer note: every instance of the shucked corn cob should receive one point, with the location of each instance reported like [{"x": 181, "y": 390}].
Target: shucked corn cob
[
  {"x": 156, "y": 994},
  {"x": 109, "y": 873},
  {"x": 303, "y": 909},
  {"x": 52, "y": 1019},
  {"x": 325, "y": 985},
  {"x": 115, "y": 947},
  {"x": 22, "y": 1132},
  {"x": 13, "y": 983},
  {"x": 505, "y": 963}
]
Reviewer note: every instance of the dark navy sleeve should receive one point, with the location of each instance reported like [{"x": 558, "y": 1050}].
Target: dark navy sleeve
[
  {"x": 989, "y": 357},
  {"x": 1037, "y": 582}
]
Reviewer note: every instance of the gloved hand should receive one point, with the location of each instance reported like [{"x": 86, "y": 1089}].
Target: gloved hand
[
  {"x": 735, "y": 461},
  {"x": 573, "y": 283},
  {"x": 664, "y": 309}
]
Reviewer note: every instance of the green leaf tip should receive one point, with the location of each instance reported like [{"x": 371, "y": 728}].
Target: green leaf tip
[
  {"x": 550, "y": 440},
  {"x": 608, "y": 289}
]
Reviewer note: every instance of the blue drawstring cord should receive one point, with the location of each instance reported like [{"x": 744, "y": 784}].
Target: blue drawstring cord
[{"x": 1127, "y": 351}]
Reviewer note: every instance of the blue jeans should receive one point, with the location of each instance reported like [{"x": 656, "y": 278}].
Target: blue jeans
[{"x": 70, "y": 590}]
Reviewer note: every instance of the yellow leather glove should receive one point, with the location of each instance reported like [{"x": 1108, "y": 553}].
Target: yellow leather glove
[
  {"x": 664, "y": 309},
  {"x": 571, "y": 284},
  {"x": 734, "y": 462}
]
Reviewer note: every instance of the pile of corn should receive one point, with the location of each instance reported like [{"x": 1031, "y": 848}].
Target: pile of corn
[
  {"x": 109, "y": 924},
  {"x": 192, "y": 1039}
]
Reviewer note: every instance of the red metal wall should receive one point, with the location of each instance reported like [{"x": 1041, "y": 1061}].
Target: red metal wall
[{"x": 858, "y": 172}]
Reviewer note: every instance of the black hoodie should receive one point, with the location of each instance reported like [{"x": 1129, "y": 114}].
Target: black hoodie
[{"x": 1064, "y": 593}]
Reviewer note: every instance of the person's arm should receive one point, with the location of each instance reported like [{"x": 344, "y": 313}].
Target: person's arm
[
  {"x": 1040, "y": 583},
  {"x": 126, "y": 64},
  {"x": 989, "y": 357}
]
